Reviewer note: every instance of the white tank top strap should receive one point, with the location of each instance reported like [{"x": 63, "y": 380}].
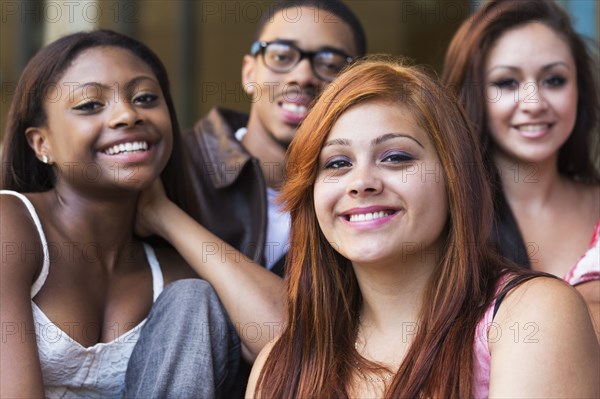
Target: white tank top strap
[
  {"x": 157, "y": 277},
  {"x": 39, "y": 282}
]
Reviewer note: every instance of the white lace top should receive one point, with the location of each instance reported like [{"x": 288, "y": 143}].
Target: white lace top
[{"x": 69, "y": 369}]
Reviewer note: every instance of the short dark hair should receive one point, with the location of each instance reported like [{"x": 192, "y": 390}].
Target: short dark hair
[{"x": 336, "y": 7}]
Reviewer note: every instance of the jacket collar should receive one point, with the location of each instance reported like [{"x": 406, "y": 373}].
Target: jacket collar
[{"x": 226, "y": 155}]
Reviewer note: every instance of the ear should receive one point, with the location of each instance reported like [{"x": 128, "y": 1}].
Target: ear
[
  {"x": 248, "y": 76},
  {"x": 37, "y": 137}
]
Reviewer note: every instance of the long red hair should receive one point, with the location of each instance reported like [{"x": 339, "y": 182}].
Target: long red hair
[{"x": 315, "y": 355}]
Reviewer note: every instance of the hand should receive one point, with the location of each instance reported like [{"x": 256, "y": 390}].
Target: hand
[{"x": 151, "y": 205}]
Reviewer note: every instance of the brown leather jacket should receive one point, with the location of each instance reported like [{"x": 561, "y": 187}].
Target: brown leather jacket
[{"x": 227, "y": 183}]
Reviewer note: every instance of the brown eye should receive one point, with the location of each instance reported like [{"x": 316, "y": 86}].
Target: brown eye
[
  {"x": 88, "y": 106},
  {"x": 507, "y": 83},
  {"x": 397, "y": 157},
  {"x": 337, "y": 163},
  {"x": 145, "y": 98},
  {"x": 555, "y": 81}
]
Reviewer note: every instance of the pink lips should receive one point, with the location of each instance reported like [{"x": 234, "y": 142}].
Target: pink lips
[
  {"x": 131, "y": 157},
  {"x": 293, "y": 116},
  {"x": 294, "y": 107},
  {"x": 368, "y": 217},
  {"x": 533, "y": 130},
  {"x": 128, "y": 151}
]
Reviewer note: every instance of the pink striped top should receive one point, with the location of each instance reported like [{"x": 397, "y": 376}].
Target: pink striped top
[
  {"x": 482, "y": 360},
  {"x": 587, "y": 267}
]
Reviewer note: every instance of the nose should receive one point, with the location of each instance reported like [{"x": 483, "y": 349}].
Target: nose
[
  {"x": 302, "y": 75},
  {"x": 531, "y": 99},
  {"x": 124, "y": 115},
  {"x": 364, "y": 181}
]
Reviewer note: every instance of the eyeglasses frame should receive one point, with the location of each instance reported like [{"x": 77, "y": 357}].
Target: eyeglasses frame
[{"x": 259, "y": 47}]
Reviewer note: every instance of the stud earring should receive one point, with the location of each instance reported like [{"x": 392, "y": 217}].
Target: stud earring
[{"x": 45, "y": 159}]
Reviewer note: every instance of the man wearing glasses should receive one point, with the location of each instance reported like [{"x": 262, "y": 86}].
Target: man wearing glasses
[{"x": 238, "y": 160}]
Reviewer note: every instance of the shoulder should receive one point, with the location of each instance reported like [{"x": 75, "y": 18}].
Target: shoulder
[
  {"x": 257, "y": 368},
  {"x": 17, "y": 222},
  {"x": 543, "y": 299},
  {"x": 22, "y": 251},
  {"x": 220, "y": 121},
  {"x": 212, "y": 139},
  {"x": 540, "y": 321}
]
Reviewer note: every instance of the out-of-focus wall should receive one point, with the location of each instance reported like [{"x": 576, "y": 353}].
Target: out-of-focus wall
[{"x": 202, "y": 42}]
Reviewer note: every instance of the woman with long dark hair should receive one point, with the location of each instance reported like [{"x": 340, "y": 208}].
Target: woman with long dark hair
[
  {"x": 529, "y": 85},
  {"x": 92, "y": 124}
]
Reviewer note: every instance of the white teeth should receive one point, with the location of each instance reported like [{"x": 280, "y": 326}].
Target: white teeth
[
  {"x": 361, "y": 217},
  {"x": 127, "y": 147},
  {"x": 295, "y": 108},
  {"x": 533, "y": 128}
]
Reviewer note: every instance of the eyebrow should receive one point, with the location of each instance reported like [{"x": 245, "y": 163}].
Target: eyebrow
[
  {"x": 128, "y": 86},
  {"x": 374, "y": 142},
  {"x": 544, "y": 68},
  {"x": 295, "y": 43}
]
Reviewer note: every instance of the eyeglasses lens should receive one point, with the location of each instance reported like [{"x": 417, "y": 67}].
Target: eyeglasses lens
[{"x": 281, "y": 57}]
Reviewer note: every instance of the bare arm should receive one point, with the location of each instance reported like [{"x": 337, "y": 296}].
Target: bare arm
[
  {"x": 252, "y": 295},
  {"x": 591, "y": 295},
  {"x": 546, "y": 345},
  {"x": 20, "y": 371},
  {"x": 257, "y": 368}
]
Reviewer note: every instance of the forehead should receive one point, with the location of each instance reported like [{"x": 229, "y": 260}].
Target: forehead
[
  {"x": 364, "y": 121},
  {"x": 311, "y": 28},
  {"x": 532, "y": 43},
  {"x": 105, "y": 65}
]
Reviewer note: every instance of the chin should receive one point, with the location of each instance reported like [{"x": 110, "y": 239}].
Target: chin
[{"x": 364, "y": 256}]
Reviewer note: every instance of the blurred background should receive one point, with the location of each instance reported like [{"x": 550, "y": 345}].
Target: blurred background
[{"x": 202, "y": 42}]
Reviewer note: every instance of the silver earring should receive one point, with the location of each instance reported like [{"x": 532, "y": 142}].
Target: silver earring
[{"x": 45, "y": 158}]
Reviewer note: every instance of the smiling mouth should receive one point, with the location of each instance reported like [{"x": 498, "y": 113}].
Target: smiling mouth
[
  {"x": 533, "y": 127},
  {"x": 362, "y": 217},
  {"x": 127, "y": 148},
  {"x": 295, "y": 108}
]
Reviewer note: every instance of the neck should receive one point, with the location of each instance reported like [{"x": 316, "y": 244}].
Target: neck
[
  {"x": 528, "y": 183},
  {"x": 269, "y": 152},
  {"x": 104, "y": 223},
  {"x": 393, "y": 296},
  {"x": 389, "y": 317}
]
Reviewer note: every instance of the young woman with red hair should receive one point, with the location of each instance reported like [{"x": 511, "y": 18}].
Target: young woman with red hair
[{"x": 393, "y": 290}]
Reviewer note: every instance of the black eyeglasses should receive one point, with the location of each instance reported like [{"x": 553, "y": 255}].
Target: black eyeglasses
[{"x": 283, "y": 57}]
